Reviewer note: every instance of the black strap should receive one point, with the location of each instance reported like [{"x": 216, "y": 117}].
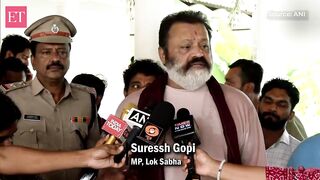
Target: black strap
[
  {"x": 93, "y": 111},
  {"x": 92, "y": 119}
]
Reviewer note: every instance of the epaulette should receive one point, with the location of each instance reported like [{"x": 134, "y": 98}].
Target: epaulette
[
  {"x": 84, "y": 88},
  {"x": 14, "y": 86}
]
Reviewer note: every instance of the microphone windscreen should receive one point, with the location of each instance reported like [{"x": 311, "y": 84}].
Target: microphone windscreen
[
  {"x": 158, "y": 123},
  {"x": 183, "y": 113},
  {"x": 162, "y": 115}
]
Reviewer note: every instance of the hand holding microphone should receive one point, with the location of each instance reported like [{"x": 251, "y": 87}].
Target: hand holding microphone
[{"x": 116, "y": 128}]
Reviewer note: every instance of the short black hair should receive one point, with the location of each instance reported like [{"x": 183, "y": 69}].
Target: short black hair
[
  {"x": 14, "y": 43},
  {"x": 147, "y": 67},
  {"x": 9, "y": 112},
  {"x": 191, "y": 17},
  {"x": 251, "y": 72},
  {"x": 11, "y": 64},
  {"x": 286, "y": 85},
  {"x": 91, "y": 81}
]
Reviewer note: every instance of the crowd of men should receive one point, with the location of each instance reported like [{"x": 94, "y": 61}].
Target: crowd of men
[{"x": 47, "y": 113}]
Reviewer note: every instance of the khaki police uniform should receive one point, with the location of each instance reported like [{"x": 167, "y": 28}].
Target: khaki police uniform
[{"x": 48, "y": 125}]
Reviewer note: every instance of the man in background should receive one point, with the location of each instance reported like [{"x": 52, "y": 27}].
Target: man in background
[
  {"x": 19, "y": 47},
  {"x": 11, "y": 70},
  {"x": 277, "y": 101},
  {"x": 140, "y": 74},
  {"x": 98, "y": 84},
  {"x": 246, "y": 75}
]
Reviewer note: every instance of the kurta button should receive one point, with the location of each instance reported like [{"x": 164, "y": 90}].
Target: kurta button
[
  {"x": 32, "y": 130},
  {"x": 57, "y": 129}
]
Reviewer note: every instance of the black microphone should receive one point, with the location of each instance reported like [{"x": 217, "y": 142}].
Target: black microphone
[
  {"x": 157, "y": 124},
  {"x": 152, "y": 131},
  {"x": 184, "y": 133},
  {"x": 126, "y": 145}
]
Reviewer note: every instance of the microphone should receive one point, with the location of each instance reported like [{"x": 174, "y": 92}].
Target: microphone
[
  {"x": 135, "y": 117},
  {"x": 184, "y": 133},
  {"x": 117, "y": 128},
  {"x": 125, "y": 111},
  {"x": 157, "y": 124},
  {"x": 152, "y": 131},
  {"x": 126, "y": 145},
  {"x": 183, "y": 129}
]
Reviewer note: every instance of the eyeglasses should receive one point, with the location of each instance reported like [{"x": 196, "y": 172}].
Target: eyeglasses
[{"x": 48, "y": 53}]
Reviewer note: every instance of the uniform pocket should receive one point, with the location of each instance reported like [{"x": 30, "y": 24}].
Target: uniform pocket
[
  {"x": 80, "y": 131},
  {"x": 30, "y": 133},
  {"x": 82, "y": 127}
]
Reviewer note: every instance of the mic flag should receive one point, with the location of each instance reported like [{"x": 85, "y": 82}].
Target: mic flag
[
  {"x": 117, "y": 128},
  {"x": 135, "y": 117},
  {"x": 112, "y": 138},
  {"x": 183, "y": 129}
]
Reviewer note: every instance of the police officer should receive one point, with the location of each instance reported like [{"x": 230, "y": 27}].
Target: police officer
[{"x": 56, "y": 115}]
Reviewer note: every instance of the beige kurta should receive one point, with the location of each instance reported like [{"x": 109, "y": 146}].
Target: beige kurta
[{"x": 50, "y": 126}]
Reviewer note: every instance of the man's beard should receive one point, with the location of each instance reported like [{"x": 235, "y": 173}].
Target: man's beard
[
  {"x": 187, "y": 77},
  {"x": 273, "y": 124}
]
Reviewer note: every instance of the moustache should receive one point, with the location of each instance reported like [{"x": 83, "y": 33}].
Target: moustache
[
  {"x": 265, "y": 114},
  {"x": 56, "y": 64},
  {"x": 198, "y": 60}
]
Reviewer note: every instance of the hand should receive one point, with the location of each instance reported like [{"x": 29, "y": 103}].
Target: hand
[
  {"x": 102, "y": 156},
  {"x": 205, "y": 165}
]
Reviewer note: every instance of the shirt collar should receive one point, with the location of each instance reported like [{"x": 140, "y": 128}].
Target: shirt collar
[
  {"x": 37, "y": 87},
  {"x": 284, "y": 138}
]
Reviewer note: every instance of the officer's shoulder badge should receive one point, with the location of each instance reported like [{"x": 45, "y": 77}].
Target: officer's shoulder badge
[
  {"x": 14, "y": 86},
  {"x": 84, "y": 88}
]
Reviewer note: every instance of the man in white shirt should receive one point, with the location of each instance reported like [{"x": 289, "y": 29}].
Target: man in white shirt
[{"x": 277, "y": 101}]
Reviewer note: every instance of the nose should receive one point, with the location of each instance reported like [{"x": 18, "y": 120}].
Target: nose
[
  {"x": 198, "y": 51},
  {"x": 55, "y": 57},
  {"x": 273, "y": 107}
]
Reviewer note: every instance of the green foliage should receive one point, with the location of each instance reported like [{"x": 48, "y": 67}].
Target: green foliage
[
  {"x": 306, "y": 79},
  {"x": 228, "y": 48}
]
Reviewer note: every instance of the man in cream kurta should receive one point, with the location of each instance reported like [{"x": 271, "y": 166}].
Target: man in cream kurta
[{"x": 184, "y": 49}]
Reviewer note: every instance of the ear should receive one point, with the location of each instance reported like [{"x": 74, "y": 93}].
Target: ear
[
  {"x": 292, "y": 114},
  {"x": 9, "y": 54},
  {"x": 162, "y": 55},
  {"x": 248, "y": 88},
  {"x": 32, "y": 62}
]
